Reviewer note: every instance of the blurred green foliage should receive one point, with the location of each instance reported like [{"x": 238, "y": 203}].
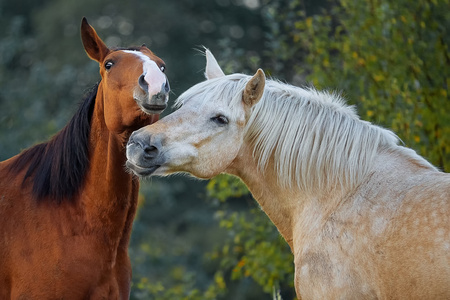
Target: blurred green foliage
[
  {"x": 390, "y": 58},
  {"x": 210, "y": 240}
]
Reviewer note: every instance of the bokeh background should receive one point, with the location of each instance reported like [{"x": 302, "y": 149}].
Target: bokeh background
[{"x": 197, "y": 239}]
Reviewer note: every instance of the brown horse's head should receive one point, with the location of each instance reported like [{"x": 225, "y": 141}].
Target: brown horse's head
[{"x": 133, "y": 86}]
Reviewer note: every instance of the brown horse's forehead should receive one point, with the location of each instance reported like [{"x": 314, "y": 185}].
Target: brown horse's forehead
[
  {"x": 144, "y": 50},
  {"x": 152, "y": 55}
]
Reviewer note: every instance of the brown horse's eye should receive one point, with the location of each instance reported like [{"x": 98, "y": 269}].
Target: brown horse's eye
[{"x": 108, "y": 65}]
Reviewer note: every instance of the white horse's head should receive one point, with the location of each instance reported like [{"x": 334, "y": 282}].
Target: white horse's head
[{"x": 205, "y": 134}]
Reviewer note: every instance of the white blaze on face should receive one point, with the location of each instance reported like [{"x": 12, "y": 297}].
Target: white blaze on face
[{"x": 154, "y": 77}]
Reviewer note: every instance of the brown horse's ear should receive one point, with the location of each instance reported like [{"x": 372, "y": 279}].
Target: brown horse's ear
[
  {"x": 254, "y": 89},
  {"x": 94, "y": 46}
]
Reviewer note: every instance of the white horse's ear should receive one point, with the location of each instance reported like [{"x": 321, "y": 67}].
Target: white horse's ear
[
  {"x": 213, "y": 69},
  {"x": 254, "y": 89}
]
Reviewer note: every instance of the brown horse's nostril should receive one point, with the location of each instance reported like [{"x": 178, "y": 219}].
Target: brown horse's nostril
[
  {"x": 166, "y": 87},
  {"x": 142, "y": 83}
]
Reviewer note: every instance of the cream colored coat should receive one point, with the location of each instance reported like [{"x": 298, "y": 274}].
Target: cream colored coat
[{"x": 364, "y": 217}]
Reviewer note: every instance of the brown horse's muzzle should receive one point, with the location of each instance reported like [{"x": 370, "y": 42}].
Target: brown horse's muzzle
[{"x": 152, "y": 103}]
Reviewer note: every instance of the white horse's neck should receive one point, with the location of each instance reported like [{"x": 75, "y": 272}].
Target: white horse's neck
[
  {"x": 285, "y": 207},
  {"x": 296, "y": 213}
]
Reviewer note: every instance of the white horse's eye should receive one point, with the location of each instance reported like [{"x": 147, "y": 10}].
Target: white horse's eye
[
  {"x": 162, "y": 68},
  {"x": 220, "y": 120}
]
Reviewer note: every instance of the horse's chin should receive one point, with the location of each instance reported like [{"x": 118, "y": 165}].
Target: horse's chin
[
  {"x": 149, "y": 107},
  {"x": 152, "y": 109},
  {"x": 139, "y": 171}
]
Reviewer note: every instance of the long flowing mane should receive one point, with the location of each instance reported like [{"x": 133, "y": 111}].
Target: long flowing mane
[
  {"x": 316, "y": 140},
  {"x": 58, "y": 167}
]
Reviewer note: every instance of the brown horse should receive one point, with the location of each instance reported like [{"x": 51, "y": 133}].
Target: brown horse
[
  {"x": 67, "y": 205},
  {"x": 365, "y": 218}
]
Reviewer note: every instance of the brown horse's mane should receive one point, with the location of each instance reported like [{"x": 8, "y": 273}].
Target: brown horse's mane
[
  {"x": 57, "y": 168},
  {"x": 132, "y": 48}
]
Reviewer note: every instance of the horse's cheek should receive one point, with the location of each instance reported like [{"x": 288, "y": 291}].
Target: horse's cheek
[
  {"x": 113, "y": 122},
  {"x": 113, "y": 115}
]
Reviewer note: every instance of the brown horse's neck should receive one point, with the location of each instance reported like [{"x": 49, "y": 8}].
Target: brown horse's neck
[{"x": 110, "y": 192}]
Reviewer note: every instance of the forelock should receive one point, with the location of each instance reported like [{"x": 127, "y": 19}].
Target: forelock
[{"x": 226, "y": 90}]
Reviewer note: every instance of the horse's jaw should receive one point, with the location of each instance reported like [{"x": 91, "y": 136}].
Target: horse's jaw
[
  {"x": 153, "y": 105},
  {"x": 141, "y": 172}
]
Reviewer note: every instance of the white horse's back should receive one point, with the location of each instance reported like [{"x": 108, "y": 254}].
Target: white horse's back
[{"x": 389, "y": 239}]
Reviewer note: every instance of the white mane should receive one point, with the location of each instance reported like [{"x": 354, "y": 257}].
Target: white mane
[{"x": 316, "y": 140}]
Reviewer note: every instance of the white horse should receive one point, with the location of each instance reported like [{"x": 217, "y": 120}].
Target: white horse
[{"x": 365, "y": 218}]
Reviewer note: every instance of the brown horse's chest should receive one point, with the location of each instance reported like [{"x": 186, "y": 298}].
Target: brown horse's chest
[{"x": 66, "y": 245}]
